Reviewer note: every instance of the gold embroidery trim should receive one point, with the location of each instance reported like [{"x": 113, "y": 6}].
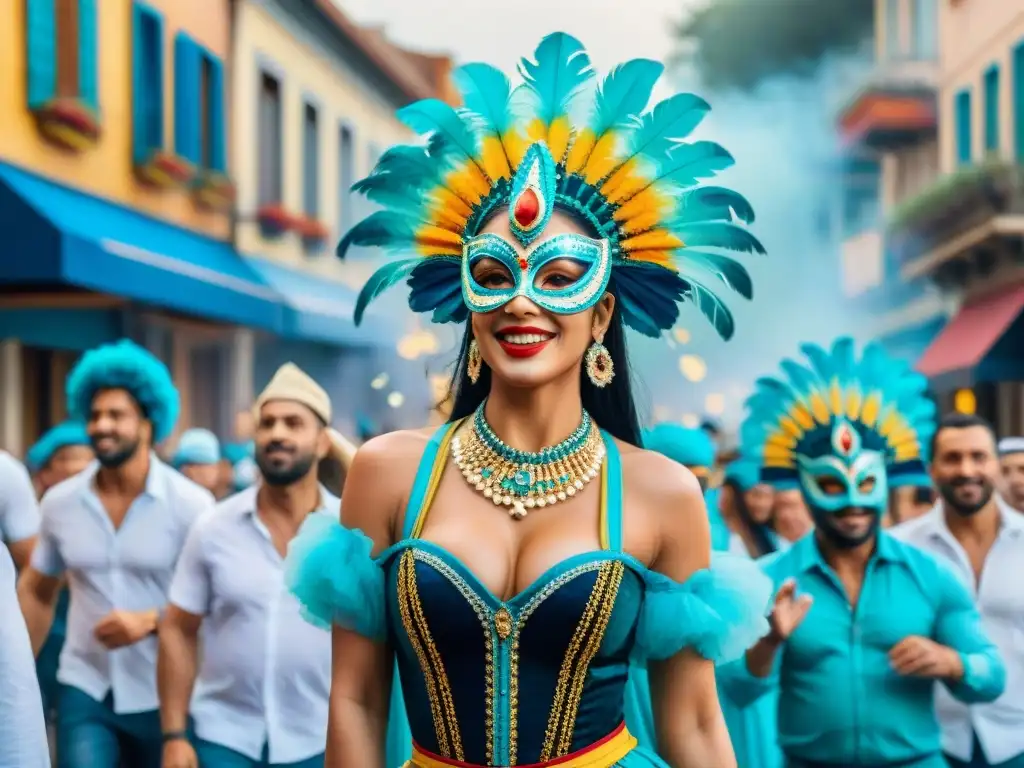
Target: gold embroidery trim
[
  {"x": 442, "y": 704},
  {"x": 581, "y": 651}
]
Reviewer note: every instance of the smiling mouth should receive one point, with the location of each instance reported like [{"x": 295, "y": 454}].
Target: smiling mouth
[{"x": 524, "y": 338}]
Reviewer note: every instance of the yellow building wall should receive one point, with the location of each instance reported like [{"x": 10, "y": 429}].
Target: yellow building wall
[
  {"x": 106, "y": 170},
  {"x": 974, "y": 35},
  {"x": 340, "y": 96}
]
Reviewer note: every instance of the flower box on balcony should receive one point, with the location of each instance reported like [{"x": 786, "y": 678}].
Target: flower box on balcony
[
  {"x": 68, "y": 124},
  {"x": 213, "y": 191},
  {"x": 164, "y": 170},
  {"x": 274, "y": 220},
  {"x": 312, "y": 231}
]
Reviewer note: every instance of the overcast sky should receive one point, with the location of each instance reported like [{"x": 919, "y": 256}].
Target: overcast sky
[{"x": 500, "y": 32}]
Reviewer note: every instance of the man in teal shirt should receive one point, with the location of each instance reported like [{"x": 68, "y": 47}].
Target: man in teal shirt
[{"x": 862, "y": 623}]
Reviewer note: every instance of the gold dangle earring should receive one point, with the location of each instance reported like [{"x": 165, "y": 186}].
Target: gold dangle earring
[
  {"x": 474, "y": 362},
  {"x": 600, "y": 366}
]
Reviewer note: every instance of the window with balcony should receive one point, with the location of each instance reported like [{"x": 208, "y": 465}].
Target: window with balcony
[
  {"x": 346, "y": 177},
  {"x": 269, "y": 162},
  {"x": 147, "y": 83},
  {"x": 310, "y": 162},
  {"x": 991, "y": 95},
  {"x": 62, "y": 62},
  {"x": 962, "y": 126},
  {"x": 924, "y": 26}
]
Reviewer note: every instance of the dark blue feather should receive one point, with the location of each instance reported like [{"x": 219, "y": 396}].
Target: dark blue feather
[
  {"x": 730, "y": 271},
  {"x": 380, "y": 281},
  {"x": 561, "y": 68},
  {"x": 649, "y": 295}
]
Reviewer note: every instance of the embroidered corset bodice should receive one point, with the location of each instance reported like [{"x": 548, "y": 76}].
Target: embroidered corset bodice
[{"x": 533, "y": 678}]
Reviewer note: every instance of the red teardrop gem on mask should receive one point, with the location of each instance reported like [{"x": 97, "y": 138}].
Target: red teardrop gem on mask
[
  {"x": 845, "y": 440},
  {"x": 527, "y": 208},
  {"x": 522, "y": 264}
]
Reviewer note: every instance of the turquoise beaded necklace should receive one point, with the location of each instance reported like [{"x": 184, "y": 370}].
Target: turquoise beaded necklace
[{"x": 520, "y": 480}]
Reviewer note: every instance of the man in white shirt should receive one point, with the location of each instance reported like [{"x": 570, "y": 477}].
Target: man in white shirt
[
  {"x": 976, "y": 531},
  {"x": 19, "y": 510},
  {"x": 22, "y": 727},
  {"x": 114, "y": 532},
  {"x": 1011, "y": 461},
  {"x": 262, "y": 684}
]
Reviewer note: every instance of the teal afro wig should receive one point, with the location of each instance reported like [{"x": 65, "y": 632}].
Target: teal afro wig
[
  {"x": 689, "y": 447},
  {"x": 61, "y": 436},
  {"x": 125, "y": 365},
  {"x": 744, "y": 472}
]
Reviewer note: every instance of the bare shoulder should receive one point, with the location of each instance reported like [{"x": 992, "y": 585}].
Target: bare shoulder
[
  {"x": 673, "y": 503},
  {"x": 380, "y": 480}
]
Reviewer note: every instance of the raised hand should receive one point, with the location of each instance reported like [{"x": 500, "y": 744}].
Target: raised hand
[{"x": 788, "y": 611}]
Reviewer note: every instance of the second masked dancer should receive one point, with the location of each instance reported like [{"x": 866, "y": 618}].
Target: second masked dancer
[{"x": 518, "y": 560}]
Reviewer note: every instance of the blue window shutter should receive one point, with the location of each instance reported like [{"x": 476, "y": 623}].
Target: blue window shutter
[
  {"x": 186, "y": 98},
  {"x": 992, "y": 109},
  {"x": 217, "y": 129},
  {"x": 147, "y": 82},
  {"x": 41, "y": 32},
  {"x": 962, "y": 108},
  {"x": 88, "y": 55}
]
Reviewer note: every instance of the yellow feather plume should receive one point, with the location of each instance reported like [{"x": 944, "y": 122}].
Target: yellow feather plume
[
  {"x": 819, "y": 408},
  {"x": 443, "y": 197},
  {"x": 836, "y": 397},
  {"x": 436, "y": 237},
  {"x": 655, "y": 240},
  {"x": 661, "y": 258},
  {"x": 580, "y": 151},
  {"x": 492, "y": 158},
  {"x": 648, "y": 200},
  {"x": 790, "y": 427},
  {"x": 802, "y": 416},
  {"x": 782, "y": 440},
  {"x": 515, "y": 147},
  {"x": 602, "y": 160},
  {"x": 469, "y": 183},
  {"x": 446, "y": 218},
  {"x": 854, "y": 400},
  {"x": 641, "y": 222},
  {"x": 872, "y": 406}
]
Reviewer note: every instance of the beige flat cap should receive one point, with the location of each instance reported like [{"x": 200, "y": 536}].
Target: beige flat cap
[{"x": 292, "y": 383}]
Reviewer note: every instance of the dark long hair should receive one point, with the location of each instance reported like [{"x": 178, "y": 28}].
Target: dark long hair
[{"x": 612, "y": 407}]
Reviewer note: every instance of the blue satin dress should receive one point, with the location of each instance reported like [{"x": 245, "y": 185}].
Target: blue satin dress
[{"x": 535, "y": 680}]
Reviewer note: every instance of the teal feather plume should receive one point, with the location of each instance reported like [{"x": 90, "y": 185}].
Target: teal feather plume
[
  {"x": 661, "y": 129},
  {"x": 712, "y": 203},
  {"x": 688, "y": 163},
  {"x": 623, "y": 94},
  {"x": 712, "y": 307},
  {"x": 720, "y": 234},
  {"x": 433, "y": 115},
  {"x": 557, "y": 75},
  {"x": 730, "y": 271},
  {"x": 380, "y": 228},
  {"x": 385, "y": 277},
  {"x": 486, "y": 92}
]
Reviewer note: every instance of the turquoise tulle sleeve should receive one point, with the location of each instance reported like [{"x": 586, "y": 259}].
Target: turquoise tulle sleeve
[
  {"x": 719, "y": 611},
  {"x": 331, "y": 572}
]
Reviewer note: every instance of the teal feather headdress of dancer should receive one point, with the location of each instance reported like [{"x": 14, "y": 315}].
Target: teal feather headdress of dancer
[
  {"x": 835, "y": 415},
  {"x": 628, "y": 173}
]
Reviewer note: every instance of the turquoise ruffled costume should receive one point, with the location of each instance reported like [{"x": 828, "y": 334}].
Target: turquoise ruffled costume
[{"x": 532, "y": 679}]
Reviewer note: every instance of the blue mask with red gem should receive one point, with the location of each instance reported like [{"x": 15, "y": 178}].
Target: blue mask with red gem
[{"x": 847, "y": 476}]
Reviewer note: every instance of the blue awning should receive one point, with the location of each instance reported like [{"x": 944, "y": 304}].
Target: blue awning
[
  {"x": 318, "y": 309},
  {"x": 53, "y": 234}
]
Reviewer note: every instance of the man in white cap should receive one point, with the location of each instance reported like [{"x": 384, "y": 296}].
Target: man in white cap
[
  {"x": 1011, "y": 461},
  {"x": 262, "y": 685},
  {"x": 198, "y": 458}
]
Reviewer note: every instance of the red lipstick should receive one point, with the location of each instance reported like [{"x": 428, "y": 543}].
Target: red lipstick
[{"x": 523, "y": 350}]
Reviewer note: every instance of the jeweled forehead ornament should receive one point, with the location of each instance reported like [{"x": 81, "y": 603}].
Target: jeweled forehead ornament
[{"x": 560, "y": 139}]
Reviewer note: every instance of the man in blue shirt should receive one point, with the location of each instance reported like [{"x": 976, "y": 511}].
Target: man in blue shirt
[{"x": 863, "y": 624}]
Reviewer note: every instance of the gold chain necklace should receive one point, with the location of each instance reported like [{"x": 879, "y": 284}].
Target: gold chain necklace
[{"x": 520, "y": 480}]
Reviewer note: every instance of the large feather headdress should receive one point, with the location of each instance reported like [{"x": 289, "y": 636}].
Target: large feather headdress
[
  {"x": 627, "y": 172},
  {"x": 837, "y": 404}
]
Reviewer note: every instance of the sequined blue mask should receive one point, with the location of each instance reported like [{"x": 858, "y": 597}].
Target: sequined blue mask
[
  {"x": 524, "y": 277},
  {"x": 851, "y": 476}
]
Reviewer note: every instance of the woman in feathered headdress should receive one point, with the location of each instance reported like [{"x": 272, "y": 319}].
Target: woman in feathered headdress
[{"x": 545, "y": 219}]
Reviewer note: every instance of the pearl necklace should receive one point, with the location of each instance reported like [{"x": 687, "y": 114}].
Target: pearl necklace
[{"x": 521, "y": 480}]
